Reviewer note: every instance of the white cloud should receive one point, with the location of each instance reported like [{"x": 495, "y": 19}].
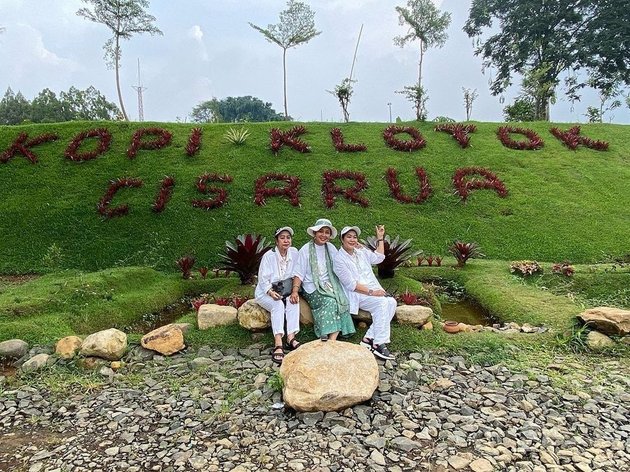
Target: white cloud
[{"x": 196, "y": 33}]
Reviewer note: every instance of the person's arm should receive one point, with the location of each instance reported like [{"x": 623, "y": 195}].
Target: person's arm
[
  {"x": 299, "y": 269},
  {"x": 343, "y": 271},
  {"x": 380, "y": 239},
  {"x": 265, "y": 274}
]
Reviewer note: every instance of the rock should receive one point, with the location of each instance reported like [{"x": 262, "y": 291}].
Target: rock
[
  {"x": 377, "y": 457},
  {"x": 442, "y": 384},
  {"x": 481, "y": 465},
  {"x": 166, "y": 340},
  {"x": 253, "y": 317},
  {"x": 108, "y": 344},
  {"x": 404, "y": 444},
  {"x": 428, "y": 326},
  {"x": 607, "y": 320},
  {"x": 67, "y": 347},
  {"x": 328, "y": 376},
  {"x": 414, "y": 315},
  {"x": 13, "y": 348},
  {"x": 183, "y": 327},
  {"x": 596, "y": 341},
  {"x": 460, "y": 461},
  {"x": 306, "y": 315},
  {"x": 211, "y": 315},
  {"x": 35, "y": 363},
  {"x": 364, "y": 316}
]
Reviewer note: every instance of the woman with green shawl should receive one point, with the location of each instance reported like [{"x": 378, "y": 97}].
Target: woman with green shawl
[{"x": 320, "y": 286}]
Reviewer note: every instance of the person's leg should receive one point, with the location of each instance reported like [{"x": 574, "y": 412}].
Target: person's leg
[{"x": 292, "y": 314}]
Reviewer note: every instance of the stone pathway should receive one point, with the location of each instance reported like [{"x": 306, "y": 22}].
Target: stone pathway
[{"x": 217, "y": 411}]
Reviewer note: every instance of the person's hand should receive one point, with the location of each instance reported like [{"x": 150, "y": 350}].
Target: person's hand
[
  {"x": 294, "y": 298},
  {"x": 380, "y": 231},
  {"x": 379, "y": 293},
  {"x": 273, "y": 294}
]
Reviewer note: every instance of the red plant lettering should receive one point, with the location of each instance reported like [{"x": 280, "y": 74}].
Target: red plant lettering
[
  {"x": 572, "y": 139},
  {"x": 290, "y": 138},
  {"x": 164, "y": 194},
  {"x": 340, "y": 146},
  {"x": 194, "y": 142},
  {"x": 22, "y": 146},
  {"x": 463, "y": 187},
  {"x": 416, "y": 142},
  {"x": 162, "y": 139},
  {"x": 391, "y": 175},
  {"x": 221, "y": 193},
  {"x": 104, "y": 141},
  {"x": 532, "y": 143},
  {"x": 330, "y": 188},
  {"x": 460, "y": 132},
  {"x": 114, "y": 186},
  {"x": 262, "y": 192}
]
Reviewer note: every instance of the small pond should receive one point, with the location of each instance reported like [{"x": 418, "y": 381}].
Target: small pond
[
  {"x": 169, "y": 314},
  {"x": 466, "y": 311}
]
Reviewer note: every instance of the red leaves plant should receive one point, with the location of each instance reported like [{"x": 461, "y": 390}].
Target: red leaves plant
[
  {"x": 330, "y": 188},
  {"x": 460, "y": 133},
  {"x": 162, "y": 139},
  {"x": 340, "y": 146},
  {"x": 186, "y": 264},
  {"x": 203, "y": 271},
  {"x": 22, "y": 146},
  {"x": 532, "y": 143},
  {"x": 221, "y": 193},
  {"x": 115, "y": 185},
  {"x": 194, "y": 142},
  {"x": 564, "y": 268},
  {"x": 416, "y": 142},
  {"x": 572, "y": 139},
  {"x": 243, "y": 256},
  {"x": 463, "y": 187},
  {"x": 290, "y": 138},
  {"x": 391, "y": 175},
  {"x": 462, "y": 251},
  {"x": 104, "y": 141},
  {"x": 262, "y": 192},
  {"x": 164, "y": 194}
]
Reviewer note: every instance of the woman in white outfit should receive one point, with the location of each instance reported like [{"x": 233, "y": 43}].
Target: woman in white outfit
[
  {"x": 273, "y": 290},
  {"x": 353, "y": 266}
]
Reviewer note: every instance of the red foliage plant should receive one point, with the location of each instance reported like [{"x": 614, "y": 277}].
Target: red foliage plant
[
  {"x": 564, "y": 268},
  {"x": 462, "y": 251},
  {"x": 438, "y": 261},
  {"x": 243, "y": 256},
  {"x": 237, "y": 301},
  {"x": 162, "y": 139},
  {"x": 104, "y": 141},
  {"x": 22, "y": 146},
  {"x": 197, "y": 302},
  {"x": 572, "y": 139},
  {"x": 194, "y": 142},
  {"x": 460, "y": 132},
  {"x": 532, "y": 143},
  {"x": 262, "y": 192},
  {"x": 420, "y": 259},
  {"x": 430, "y": 261},
  {"x": 223, "y": 301},
  {"x": 341, "y": 146},
  {"x": 115, "y": 185},
  {"x": 391, "y": 175},
  {"x": 330, "y": 188},
  {"x": 203, "y": 271},
  {"x": 164, "y": 194},
  {"x": 408, "y": 298},
  {"x": 221, "y": 193},
  {"x": 416, "y": 142},
  {"x": 186, "y": 264},
  {"x": 463, "y": 187},
  {"x": 290, "y": 138}
]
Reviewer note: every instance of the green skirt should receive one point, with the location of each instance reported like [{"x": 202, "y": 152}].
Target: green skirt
[{"x": 327, "y": 315}]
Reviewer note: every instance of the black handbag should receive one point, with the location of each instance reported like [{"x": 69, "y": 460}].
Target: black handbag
[{"x": 283, "y": 287}]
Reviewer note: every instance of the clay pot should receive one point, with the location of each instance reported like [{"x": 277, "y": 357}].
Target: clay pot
[{"x": 451, "y": 327}]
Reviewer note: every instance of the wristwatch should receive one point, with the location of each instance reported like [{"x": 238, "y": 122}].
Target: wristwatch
[{"x": 370, "y": 291}]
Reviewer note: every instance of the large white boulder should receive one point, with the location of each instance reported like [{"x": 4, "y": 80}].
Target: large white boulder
[
  {"x": 108, "y": 344},
  {"x": 211, "y": 315},
  {"x": 166, "y": 340}
]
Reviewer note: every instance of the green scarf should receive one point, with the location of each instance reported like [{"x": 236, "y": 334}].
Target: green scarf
[{"x": 337, "y": 292}]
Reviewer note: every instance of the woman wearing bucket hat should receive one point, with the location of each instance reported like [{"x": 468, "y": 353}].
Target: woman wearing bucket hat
[
  {"x": 353, "y": 266},
  {"x": 320, "y": 287},
  {"x": 274, "y": 287}
]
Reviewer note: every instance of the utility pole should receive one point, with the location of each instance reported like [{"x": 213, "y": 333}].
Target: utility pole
[
  {"x": 139, "y": 88},
  {"x": 389, "y": 104}
]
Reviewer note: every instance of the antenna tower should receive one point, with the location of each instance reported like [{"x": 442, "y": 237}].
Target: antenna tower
[{"x": 139, "y": 88}]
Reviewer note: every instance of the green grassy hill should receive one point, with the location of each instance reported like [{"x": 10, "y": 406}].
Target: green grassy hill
[{"x": 562, "y": 204}]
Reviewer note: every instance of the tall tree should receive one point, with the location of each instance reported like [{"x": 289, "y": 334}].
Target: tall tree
[
  {"x": 88, "y": 105},
  {"x": 47, "y": 108},
  {"x": 124, "y": 18},
  {"x": 14, "y": 108},
  {"x": 234, "y": 110},
  {"x": 428, "y": 25},
  {"x": 542, "y": 39},
  {"x": 296, "y": 26}
]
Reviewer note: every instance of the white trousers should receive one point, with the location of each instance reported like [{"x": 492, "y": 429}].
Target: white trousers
[
  {"x": 278, "y": 311},
  {"x": 382, "y": 310}
]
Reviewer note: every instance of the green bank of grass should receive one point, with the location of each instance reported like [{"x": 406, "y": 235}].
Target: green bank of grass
[{"x": 562, "y": 204}]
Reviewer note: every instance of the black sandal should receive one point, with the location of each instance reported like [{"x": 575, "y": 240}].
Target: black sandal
[
  {"x": 277, "y": 355},
  {"x": 293, "y": 344}
]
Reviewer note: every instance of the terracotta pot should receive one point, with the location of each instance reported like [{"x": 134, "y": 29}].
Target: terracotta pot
[{"x": 451, "y": 327}]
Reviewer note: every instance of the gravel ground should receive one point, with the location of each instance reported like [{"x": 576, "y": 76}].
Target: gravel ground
[{"x": 218, "y": 411}]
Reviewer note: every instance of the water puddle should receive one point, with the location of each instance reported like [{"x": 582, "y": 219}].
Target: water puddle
[
  {"x": 169, "y": 314},
  {"x": 466, "y": 311}
]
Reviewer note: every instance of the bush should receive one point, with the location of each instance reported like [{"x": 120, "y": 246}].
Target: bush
[{"x": 525, "y": 268}]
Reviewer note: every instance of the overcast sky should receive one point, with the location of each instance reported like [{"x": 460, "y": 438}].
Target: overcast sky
[{"x": 209, "y": 50}]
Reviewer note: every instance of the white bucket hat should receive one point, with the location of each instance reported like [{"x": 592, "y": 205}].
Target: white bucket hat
[
  {"x": 319, "y": 224},
  {"x": 284, "y": 228},
  {"x": 350, "y": 228}
]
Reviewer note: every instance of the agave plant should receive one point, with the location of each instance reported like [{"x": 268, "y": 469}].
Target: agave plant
[
  {"x": 236, "y": 135},
  {"x": 396, "y": 252},
  {"x": 243, "y": 256},
  {"x": 463, "y": 251}
]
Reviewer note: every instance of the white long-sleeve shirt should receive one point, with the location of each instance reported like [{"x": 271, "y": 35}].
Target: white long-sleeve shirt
[
  {"x": 273, "y": 269},
  {"x": 303, "y": 267},
  {"x": 357, "y": 269}
]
